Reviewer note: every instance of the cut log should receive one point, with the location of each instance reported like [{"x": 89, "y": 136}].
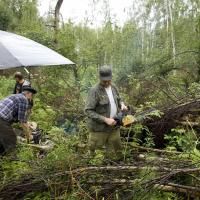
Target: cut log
[{"x": 45, "y": 147}]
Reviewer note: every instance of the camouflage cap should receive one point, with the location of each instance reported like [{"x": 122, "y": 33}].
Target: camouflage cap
[{"x": 105, "y": 73}]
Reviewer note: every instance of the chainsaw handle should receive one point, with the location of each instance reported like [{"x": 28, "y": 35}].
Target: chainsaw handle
[{"x": 128, "y": 108}]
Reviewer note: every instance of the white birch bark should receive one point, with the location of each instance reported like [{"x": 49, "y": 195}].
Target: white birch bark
[{"x": 172, "y": 32}]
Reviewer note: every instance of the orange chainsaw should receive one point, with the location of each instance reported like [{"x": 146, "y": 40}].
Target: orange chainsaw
[{"x": 126, "y": 118}]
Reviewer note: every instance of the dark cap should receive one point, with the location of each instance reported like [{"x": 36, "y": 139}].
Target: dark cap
[
  {"x": 105, "y": 73},
  {"x": 29, "y": 89}
]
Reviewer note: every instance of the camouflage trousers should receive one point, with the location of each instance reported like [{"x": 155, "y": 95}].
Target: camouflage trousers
[{"x": 110, "y": 141}]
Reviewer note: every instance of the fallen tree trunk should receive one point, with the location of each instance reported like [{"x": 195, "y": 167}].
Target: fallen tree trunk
[
  {"x": 169, "y": 187},
  {"x": 18, "y": 190},
  {"x": 109, "y": 175},
  {"x": 169, "y": 120},
  {"x": 127, "y": 168},
  {"x": 154, "y": 150}
]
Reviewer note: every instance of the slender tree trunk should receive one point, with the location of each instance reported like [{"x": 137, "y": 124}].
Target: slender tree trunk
[
  {"x": 152, "y": 40},
  {"x": 56, "y": 20},
  {"x": 167, "y": 13},
  {"x": 172, "y": 32},
  {"x": 105, "y": 58},
  {"x": 142, "y": 44}
]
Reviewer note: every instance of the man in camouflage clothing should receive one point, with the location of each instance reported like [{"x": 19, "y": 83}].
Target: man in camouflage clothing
[{"x": 102, "y": 105}]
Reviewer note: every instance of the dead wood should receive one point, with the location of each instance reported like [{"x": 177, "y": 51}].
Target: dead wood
[
  {"x": 171, "y": 187},
  {"x": 169, "y": 120},
  {"x": 154, "y": 150}
]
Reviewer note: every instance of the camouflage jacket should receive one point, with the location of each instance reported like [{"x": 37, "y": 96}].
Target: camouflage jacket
[{"x": 98, "y": 106}]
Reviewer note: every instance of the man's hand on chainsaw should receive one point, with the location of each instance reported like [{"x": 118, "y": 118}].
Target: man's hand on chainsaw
[{"x": 110, "y": 121}]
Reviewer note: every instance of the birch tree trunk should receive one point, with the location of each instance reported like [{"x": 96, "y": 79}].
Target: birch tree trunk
[
  {"x": 142, "y": 44},
  {"x": 167, "y": 20},
  {"x": 172, "y": 32}
]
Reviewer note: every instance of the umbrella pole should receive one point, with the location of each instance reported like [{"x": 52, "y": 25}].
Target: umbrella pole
[{"x": 29, "y": 74}]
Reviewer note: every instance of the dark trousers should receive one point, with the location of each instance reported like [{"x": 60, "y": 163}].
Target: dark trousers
[{"x": 8, "y": 138}]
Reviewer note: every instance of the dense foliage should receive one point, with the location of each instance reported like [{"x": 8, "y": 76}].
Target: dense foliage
[{"x": 155, "y": 56}]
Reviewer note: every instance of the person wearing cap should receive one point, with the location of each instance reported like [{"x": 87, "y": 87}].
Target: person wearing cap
[
  {"x": 102, "y": 105},
  {"x": 20, "y": 83},
  {"x": 14, "y": 109}
]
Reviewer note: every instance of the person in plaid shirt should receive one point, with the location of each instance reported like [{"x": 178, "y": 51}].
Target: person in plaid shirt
[{"x": 14, "y": 109}]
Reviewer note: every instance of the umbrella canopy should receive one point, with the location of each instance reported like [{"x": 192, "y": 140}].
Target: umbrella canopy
[{"x": 18, "y": 51}]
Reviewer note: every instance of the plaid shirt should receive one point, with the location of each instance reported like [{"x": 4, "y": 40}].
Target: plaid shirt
[{"x": 14, "y": 108}]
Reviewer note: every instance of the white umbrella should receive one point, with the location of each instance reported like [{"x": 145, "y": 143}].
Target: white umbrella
[{"x": 18, "y": 51}]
